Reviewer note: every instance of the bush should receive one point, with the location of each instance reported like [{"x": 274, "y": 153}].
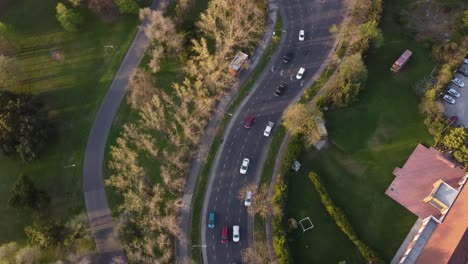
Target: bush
[
  {"x": 278, "y": 224},
  {"x": 341, "y": 220},
  {"x": 25, "y": 194},
  {"x": 47, "y": 234}
]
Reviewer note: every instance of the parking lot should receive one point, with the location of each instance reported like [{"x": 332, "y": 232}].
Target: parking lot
[{"x": 460, "y": 108}]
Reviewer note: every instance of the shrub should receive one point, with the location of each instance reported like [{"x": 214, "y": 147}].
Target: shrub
[
  {"x": 69, "y": 19},
  {"x": 25, "y": 194},
  {"x": 341, "y": 220},
  {"x": 127, "y": 6}
]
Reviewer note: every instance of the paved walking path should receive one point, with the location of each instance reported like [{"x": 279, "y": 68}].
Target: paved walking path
[
  {"x": 183, "y": 249},
  {"x": 106, "y": 237}
]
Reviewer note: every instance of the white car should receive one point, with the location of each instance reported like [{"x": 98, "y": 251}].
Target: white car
[
  {"x": 244, "y": 166},
  {"x": 268, "y": 129},
  {"x": 449, "y": 99},
  {"x": 301, "y": 35},
  {"x": 248, "y": 199},
  {"x": 458, "y": 82},
  {"x": 300, "y": 73},
  {"x": 465, "y": 60},
  {"x": 235, "y": 233},
  {"x": 453, "y": 92}
]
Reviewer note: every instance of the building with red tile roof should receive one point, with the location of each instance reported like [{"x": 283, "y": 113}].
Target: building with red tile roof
[{"x": 432, "y": 187}]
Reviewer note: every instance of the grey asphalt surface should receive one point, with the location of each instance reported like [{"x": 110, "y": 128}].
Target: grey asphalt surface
[
  {"x": 315, "y": 17},
  {"x": 106, "y": 238},
  {"x": 460, "y": 108},
  {"x": 181, "y": 248}
]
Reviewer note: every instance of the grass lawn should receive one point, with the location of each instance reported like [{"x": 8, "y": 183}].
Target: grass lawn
[
  {"x": 71, "y": 87},
  {"x": 367, "y": 140}
]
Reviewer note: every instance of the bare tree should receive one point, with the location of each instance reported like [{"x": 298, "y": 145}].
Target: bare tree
[
  {"x": 141, "y": 89},
  {"x": 257, "y": 254},
  {"x": 161, "y": 29},
  {"x": 156, "y": 55}
]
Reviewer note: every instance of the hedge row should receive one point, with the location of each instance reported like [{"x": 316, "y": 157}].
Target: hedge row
[
  {"x": 280, "y": 245},
  {"x": 341, "y": 220}
]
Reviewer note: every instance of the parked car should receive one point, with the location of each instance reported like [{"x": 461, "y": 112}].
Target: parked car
[
  {"x": 268, "y": 129},
  {"x": 249, "y": 122},
  {"x": 224, "y": 235},
  {"x": 211, "y": 220},
  {"x": 453, "y": 92},
  {"x": 287, "y": 58},
  {"x": 248, "y": 199},
  {"x": 245, "y": 166},
  {"x": 465, "y": 60},
  {"x": 300, "y": 73},
  {"x": 301, "y": 35},
  {"x": 449, "y": 99},
  {"x": 463, "y": 71},
  {"x": 280, "y": 90},
  {"x": 458, "y": 82},
  {"x": 235, "y": 233}
]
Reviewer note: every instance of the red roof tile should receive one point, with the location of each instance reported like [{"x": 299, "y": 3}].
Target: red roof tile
[
  {"x": 449, "y": 242},
  {"x": 414, "y": 181}
]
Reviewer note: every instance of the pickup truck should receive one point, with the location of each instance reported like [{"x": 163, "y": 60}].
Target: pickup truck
[{"x": 268, "y": 129}]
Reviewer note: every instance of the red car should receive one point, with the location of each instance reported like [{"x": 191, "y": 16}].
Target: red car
[
  {"x": 249, "y": 122},
  {"x": 453, "y": 120},
  {"x": 224, "y": 235}
]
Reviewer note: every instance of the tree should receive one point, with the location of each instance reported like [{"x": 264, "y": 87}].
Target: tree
[
  {"x": 23, "y": 128},
  {"x": 352, "y": 69},
  {"x": 25, "y": 194},
  {"x": 28, "y": 255},
  {"x": 465, "y": 21},
  {"x": 127, "y": 6},
  {"x": 7, "y": 252},
  {"x": 455, "y": 139},
  {"x": 76, "y": 3},
  {"x": 46, "y": 234},
  {"x": 370, "y": 30},
  {"x": 257, "y": 254},
  {"x": 162, "y": 30},
  {"x": 69, "y": 19},
  {"x": 461, "y": 155},
  {"x": 436, "y": 123}
]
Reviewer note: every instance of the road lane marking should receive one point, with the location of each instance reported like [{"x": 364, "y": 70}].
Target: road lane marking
[{"x": 281, "y": 72}]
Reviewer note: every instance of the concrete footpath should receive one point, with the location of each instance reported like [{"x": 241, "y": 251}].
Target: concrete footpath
[
  {"x": 105, "y": 235},
  {"x": 183, "y": 248}
]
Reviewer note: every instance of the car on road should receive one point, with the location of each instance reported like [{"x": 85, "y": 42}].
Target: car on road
[
  {"x": 301, "y": 35},
  {"x": 224, "y": 235},
  {"x": 300, "y": 73},
  {"x": 248, "y": 199},
  {"x": 249, "y": 122},
  {"x": 280, "y": 90},
  {"x": 458, "y": 82},
  {"x": 268, "y": 129},
  {"x": 235, "y": 233},
  {"x": 245, "y": 166},
  {"x": 465, "y": 60},
  {"x": 463, "y": 71},
  {"x": 449, "y": 99},
  {"x": 211, "y": 220},
  {"x": 453, "y": 92},
  {"x": 287, "y": 58}
]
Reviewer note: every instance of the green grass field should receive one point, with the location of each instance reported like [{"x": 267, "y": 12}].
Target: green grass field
[
  {"x": 367, "y": 140},
  {"x": 71, "y": 88}
]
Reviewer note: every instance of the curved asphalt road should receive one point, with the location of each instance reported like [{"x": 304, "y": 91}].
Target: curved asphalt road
[
  {"x": 315, "y": 17},
  {"x": 108, "y": 245}
]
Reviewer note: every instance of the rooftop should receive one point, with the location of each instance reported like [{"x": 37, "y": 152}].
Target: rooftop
[
  {"x": 238, "y": 61},
  {"x": 449, "y": 241},
  {"x": 415, "y": 180}
]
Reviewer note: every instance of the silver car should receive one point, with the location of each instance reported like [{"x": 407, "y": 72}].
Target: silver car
[
  {"x": 458, "y": 82},
  {"x": 449, "y": 99},
  {"x": 453, "y": 92}
]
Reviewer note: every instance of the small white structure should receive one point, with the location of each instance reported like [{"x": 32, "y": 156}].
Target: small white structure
[
  {"x": 237, "y": 62},
  {"x": 306, "y": 224}
]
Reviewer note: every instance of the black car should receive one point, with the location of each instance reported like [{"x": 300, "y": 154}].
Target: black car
[
  {"x": 280, "y": 90},
  {"x": 463, "y": 71},
  {"x": 287, "y": 58}
]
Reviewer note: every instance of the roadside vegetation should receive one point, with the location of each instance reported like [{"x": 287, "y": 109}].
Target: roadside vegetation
[
  {"x": 55, "y": 67},
  {"x": 171, "y": 97}
]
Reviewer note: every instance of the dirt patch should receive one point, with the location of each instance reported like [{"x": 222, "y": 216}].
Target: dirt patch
[
  {"x": 429, "y": 20},
  {"x": 379, "y": 138},
  {"x": 56, "y": 55},
  {"x": 6, "y": 48}
]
